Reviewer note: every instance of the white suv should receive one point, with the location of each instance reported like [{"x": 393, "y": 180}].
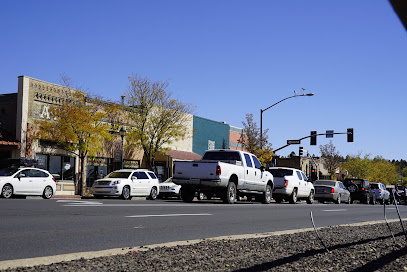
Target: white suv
[
  {"x": 127, "y": 183},
  {"x": 291, "y": 184}
]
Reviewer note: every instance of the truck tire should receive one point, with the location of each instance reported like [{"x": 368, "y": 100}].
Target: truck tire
[
  {"x": 230, "y": 194},
  {"x": 266, "y": 196},
  {"x": 310, "y": 198},
  {"x": 187, "y": 194},
  {"x": 293, "y": 197}
]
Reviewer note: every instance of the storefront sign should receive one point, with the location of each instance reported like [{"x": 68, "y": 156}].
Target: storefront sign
[
  {"x": 131, "y": 164},
  {"x": 97, "y": 161}
]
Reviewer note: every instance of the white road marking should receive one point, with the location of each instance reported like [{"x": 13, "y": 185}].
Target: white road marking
[
  {"x": 80, "y": 202},
  {"x": 337, "y": 210},
  {"x": 169, "y": 215}
]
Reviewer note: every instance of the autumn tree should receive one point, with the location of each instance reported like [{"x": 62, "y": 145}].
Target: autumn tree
[
  {"x": 376, "y": 170},
  {"x": 330, "y": 158},
  {"x": 78, "y": 125},
  {"x": 157, "y": 119},
  {"x": 251, "y": 141}
]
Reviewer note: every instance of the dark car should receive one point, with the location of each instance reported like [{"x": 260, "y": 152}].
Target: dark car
[{"x": 360, "y": 190}]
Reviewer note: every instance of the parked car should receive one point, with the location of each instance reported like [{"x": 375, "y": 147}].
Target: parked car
[
  {"x": 170, "y": 189},
  {"x": 228, "y": 174},
  {"x": 360, "y": 190},
  {"x": 382, "y": 194},
  {"x": 127, "y": 183},
  {"x": 26, "y": 181},
  {"x": 331, "y": 190},
  {"x": 291, "y": 184}
]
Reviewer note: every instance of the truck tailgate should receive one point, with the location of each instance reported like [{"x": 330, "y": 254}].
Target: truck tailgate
[{"x": 204, "y": 170}]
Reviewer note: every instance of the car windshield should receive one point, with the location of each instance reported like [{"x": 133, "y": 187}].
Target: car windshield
[
  {"x": 119, "y": 175},
  {"x": 6, "y": 172},
  {"x": 280, "y": 173},
  {"x": 374, "y": 186},
  {"x": 324, "y": 182}
]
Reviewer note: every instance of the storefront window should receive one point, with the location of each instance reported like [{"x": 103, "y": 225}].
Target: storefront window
[
  {"x": 61, "y": 167},
  {"x": 96, "y": 168},
  {"x": 55, "y": 166}
]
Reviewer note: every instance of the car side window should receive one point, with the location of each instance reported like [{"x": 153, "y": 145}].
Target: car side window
[
  {"x": 25, "y": 173},
  {"x": 303, "y": 176},
  {"x": 257, "y": 164},
  {"x": 299, "y": 175},
  {"x": 37, "y": 173},
  {"x": 248, "y": 160},
  {"x": 140, "y": 175},
  {"x": 152, "y": 175}
]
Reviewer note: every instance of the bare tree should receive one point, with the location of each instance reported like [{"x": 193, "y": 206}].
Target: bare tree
[
  {"x": 156, "y": 117},
  {"x": 331, "y": 158}
]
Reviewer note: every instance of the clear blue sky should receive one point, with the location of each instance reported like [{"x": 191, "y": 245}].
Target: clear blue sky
[{"x": 230, "y": 58}]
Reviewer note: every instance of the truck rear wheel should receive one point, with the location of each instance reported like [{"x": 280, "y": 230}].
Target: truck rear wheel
[
  {"x": 230, "y": 194},
  {"x": 187, "y": 194}
]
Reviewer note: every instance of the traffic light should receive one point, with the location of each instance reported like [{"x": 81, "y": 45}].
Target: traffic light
[
  {"x": 350, "y": 135},
  {"x": 313, "y": 138},
  {"x": 314, "y": 175},
  {"x": 300, "y": 151}
]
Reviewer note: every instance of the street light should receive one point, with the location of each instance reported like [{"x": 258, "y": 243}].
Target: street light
[
  {"x": 261, "y": 112},
  {"x": 122, "y": 133}
]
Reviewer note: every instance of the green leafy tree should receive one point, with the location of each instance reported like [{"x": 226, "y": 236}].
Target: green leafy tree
[
  {"x": 252, "y": 142},
  {"x": 157, "y": 119},
  {"x": 79, "y": 127}
]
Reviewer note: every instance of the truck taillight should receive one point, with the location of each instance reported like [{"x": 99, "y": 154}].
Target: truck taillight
[
  {"x": 285, "y": 183},
  {"x": 332, "y": 190},
  {"x": 218, "y": 170}
]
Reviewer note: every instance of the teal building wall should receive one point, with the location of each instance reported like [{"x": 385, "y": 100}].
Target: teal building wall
[{"x": 209, "y": 134}]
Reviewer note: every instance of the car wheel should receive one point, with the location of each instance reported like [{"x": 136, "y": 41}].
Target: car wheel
[
  {"x": 201, "y": 196},
  {"x": 230, "y": 194},
  {"x": 126, "y": 193},
  {"x": 310, "y": 198},
  {"x": 293, "y": 197},
  {"x": 179, "y": 195},
  {"x": 48, "y": 192},
  {"x": 338, "y": 200},
  {"x": 153, "y": 194},
  {"x": 352, "y": 188},
  {"x": 349, "y": 201},
  {"x": 7, "y": 191},
  {"x": 266, "y": 197},
  {"x": 187, "y": 195}
]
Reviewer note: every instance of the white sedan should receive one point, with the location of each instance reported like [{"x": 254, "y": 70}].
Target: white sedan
[
  {"x": 26, "y": 181},
  {"x": 127, "y": 183}
]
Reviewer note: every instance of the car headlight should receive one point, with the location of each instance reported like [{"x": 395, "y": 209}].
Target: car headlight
[{"x": 116, "y": 182}]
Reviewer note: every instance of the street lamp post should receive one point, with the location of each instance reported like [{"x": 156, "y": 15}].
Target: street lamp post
[
  {"x": 122, "y": 133},
  {"x": 261, "y": 112}
]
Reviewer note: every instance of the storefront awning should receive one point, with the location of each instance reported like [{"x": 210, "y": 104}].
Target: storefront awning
[{"x": 183, "y": 155}]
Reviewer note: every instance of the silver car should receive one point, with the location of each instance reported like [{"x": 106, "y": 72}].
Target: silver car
[
  {"x": 382, "y": 194},
  {"x": 331, "y": 190}
]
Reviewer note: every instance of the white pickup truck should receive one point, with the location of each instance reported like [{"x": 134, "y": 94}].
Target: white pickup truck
[{"x": 228, "y": 174}]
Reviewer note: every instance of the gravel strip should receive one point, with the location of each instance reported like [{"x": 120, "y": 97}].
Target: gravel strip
[{"x": 351, "y": 248}]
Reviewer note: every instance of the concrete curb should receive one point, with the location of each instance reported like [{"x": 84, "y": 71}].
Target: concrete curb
[{"x": 29, "y": 262}]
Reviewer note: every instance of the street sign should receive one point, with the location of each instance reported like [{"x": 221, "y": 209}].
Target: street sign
[
  {"x": 329, "y": 133},
  {"x": 293, "y": 142}
]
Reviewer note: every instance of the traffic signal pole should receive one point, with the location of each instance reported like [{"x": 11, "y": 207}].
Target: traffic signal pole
[{"x": 349, "y": 132}]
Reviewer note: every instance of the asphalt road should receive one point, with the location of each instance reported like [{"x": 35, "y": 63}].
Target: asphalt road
[{"x": 36, "y": 227}]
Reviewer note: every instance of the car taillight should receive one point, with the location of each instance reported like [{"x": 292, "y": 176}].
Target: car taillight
[
  {"x": 380, "y": 191},
  {"x": 285, "y": 183},
  {"x": 332, "y": 190},
  {"x": 218, "y": 170},
  {"x": 54, "y": 179},
  {"x": 363, "y": 189}
]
